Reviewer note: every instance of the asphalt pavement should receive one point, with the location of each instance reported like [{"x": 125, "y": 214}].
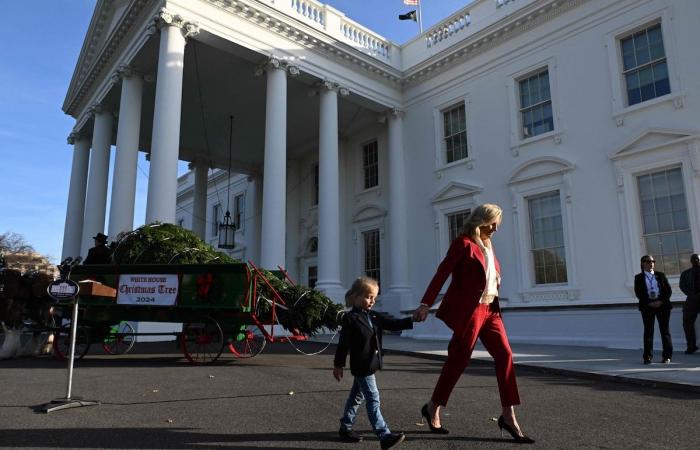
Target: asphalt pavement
[{"x": 153, "y": 399}]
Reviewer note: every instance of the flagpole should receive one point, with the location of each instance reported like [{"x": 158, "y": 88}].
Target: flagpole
[{"x": 420, "y": 17}]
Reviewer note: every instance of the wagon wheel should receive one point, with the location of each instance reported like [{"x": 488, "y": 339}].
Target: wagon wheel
[
  {"x": 61, "y": 342},
  {"x": 248, "y": 343},
  {"x": 120, "y": 340},
  {"x": 202, "y": 342}
]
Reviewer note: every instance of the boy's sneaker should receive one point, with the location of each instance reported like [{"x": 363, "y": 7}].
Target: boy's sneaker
[
  {"x": 392, "y": 440},
  {"x": 349, "y": 435}
]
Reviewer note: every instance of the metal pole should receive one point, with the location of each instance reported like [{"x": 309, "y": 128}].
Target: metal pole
[
  {"x": 73, "y": 333},
  {"x": 420, "y": 17}
]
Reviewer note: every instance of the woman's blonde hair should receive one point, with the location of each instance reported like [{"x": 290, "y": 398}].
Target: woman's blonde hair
[
  {"x": 482, "y": 215},
  {"x": 361, "y": 286}
]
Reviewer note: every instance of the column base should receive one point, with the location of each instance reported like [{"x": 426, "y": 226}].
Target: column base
[
  {"x": 396, "y": 299},
  {"x": 333, "y": 290}
]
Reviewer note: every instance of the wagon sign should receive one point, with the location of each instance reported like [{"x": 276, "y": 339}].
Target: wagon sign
[
  {"x": 62, "y": 290},
  {"x": 145, "y": 289}
]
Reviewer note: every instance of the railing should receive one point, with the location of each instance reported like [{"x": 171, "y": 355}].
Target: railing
[
  {"x": 368, "y": 42},
  {"x": 451, "y": 26},
  {"x": 310, "y": 10}
]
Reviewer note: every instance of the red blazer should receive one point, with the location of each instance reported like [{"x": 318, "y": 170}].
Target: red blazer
[{"x": 465, "y": 262}]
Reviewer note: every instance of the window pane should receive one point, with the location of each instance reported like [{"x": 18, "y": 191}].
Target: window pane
[
  {"x": 661, "y": 82},
  {"x": 547, "y": 238},
  {"x": 665, "y": 219},
  {"x": 628, "y": 58},
  {"x": 656, "y": 43},
  {"x": 646, "y": 83},
  {"x": 641, "y": 48}
]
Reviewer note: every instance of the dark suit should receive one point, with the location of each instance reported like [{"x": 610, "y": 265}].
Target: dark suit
[
  {"x": 662, "y": 313},
  {"x": 364, "y": 340},
  {"x": 692, "y": 305},
  {"x": 99, "y": 254}
]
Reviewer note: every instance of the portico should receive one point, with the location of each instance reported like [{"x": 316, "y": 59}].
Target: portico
[{"x": 176, "y": 80}]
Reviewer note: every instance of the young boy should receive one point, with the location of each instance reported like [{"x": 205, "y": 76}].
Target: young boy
[{"x": 361, "y": 335}]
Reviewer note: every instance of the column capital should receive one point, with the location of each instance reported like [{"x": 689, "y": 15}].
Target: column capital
[
  {"x": 333, "y": 86},
  {"x": 275, "y": 62},
  {"x": 73, "y": 136},
  {"x": 396, "y": 113},
  {"x": 165, "y": 17},
  {"x": 97, "y": 108}
]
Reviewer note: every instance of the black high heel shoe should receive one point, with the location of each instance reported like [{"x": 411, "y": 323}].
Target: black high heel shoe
[
  {"x": 519, "y": 439},
  {"x": 436, "y": 430}
]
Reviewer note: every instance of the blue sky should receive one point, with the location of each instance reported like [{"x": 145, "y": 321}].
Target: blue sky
[{"x": 40, "y": 46}]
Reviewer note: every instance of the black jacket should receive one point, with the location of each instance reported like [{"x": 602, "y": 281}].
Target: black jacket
[
  {"x": 99, "y": 254},
  {"x": 640, "y": 290},
  {"x": 364, "y": 341}
]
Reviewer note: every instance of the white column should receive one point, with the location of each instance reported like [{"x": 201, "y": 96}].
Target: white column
[
  {"x": 162, "y": 178},
  {"x": 199, "y": 205},
  {"x": 121, "y": 209},
  {"x": 329, "y": 195},
  {"x": 96, "y": 197},
  {"x": 253, "y": 217},
  {"x": 272, "y": 243},
  {"x": 75, "y": 210},
  {"x": 398, "y": 295}
]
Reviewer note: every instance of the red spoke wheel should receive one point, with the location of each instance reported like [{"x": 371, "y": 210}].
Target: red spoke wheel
[
  {"x": 202, "y": 342},
  {"x": 248, "y": 343},
  {"x": 120, "y": 340},
  {"x": 61, "y": 342}
]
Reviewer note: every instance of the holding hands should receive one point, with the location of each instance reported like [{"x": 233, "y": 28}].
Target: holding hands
[{"x": 421, "y": 313}]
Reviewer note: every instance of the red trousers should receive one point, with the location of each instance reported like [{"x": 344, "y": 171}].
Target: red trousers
[{"x": 485, "y": 324}]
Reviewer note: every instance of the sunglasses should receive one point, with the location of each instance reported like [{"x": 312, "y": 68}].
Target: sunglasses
[{"x": 649, "y": 261}]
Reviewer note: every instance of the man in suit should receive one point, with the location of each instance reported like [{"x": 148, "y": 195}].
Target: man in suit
[
  {"x": 654, "y": 294},
  {"x": 690, "y": 285},
  {"x": 100, "y": 253}
]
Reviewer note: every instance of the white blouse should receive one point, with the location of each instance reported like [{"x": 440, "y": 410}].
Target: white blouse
[{"x": 492, "y": 276}]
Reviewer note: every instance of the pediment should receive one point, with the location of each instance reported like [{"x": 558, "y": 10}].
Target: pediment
[
  {"x": 455, "y": 190},
  {"x": 369, "y": 212},
  {"x": 650, "y": 139},
  {"x": 540, "y": 167}
]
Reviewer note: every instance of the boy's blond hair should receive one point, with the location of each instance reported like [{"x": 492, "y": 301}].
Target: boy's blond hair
[{"x": 361, "y": 286}]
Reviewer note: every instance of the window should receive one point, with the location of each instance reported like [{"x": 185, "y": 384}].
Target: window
[
  {"x": 455, "y": 221},
  {"x": 536, "y": 104},
  {"x": 455, "y": 133},
  {"x": 312, "y": 246},
  {"x": 665, "y": 226},
  {"x": 645, "y": 70},
  {"x": 238, "y": 211},
  {"x": 312, "y": 276},
  {"x": 370, "y": 164},
  {"x": 215, "y": 218},
  {"x": 547, "y": 239},
  {"x": 371, "y": 267},
  {"x": 314, "y": 193}
]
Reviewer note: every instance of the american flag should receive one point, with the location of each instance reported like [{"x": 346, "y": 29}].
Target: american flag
[{"x": 411, "y": 2}]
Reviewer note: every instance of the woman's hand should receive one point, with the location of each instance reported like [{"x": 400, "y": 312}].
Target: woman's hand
[
  {"x": 421, "y": 313},
  {"x": 338, "y": 373}
]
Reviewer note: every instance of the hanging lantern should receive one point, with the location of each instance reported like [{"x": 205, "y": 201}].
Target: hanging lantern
[
  {"x": 227, "y": 233},
  {"x": 227, "y": 230}
]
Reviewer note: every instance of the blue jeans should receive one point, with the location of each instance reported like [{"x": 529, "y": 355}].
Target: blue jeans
[{"x": 364, "y": 388}]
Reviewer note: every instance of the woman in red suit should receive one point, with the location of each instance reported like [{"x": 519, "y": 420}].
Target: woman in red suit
[{"x": 470, "y": 308}]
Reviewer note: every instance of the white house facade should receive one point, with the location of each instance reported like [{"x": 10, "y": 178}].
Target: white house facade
[{"x": 354, "y": 155}]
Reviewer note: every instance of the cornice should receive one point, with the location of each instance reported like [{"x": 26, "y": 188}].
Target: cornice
[
  {"x": 269, "y": 18},
  {"x": 92, "y": 64},
  {"x": 519, "y": 22}
]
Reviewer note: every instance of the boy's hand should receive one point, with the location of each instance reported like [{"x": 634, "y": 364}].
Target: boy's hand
[{"x": 338, "y": 373}]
